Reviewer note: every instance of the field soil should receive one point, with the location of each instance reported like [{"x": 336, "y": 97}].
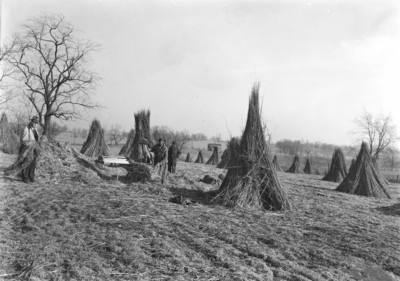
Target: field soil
[{"x": 111, "y": 230}]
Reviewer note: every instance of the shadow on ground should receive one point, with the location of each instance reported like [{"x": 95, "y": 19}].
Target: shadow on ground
[
  {"x": 201, "y": 197},
  {"x": 318, "y": 188},
  {"x": 393, "y": 210},
  {"x": 7, "y": 178}
]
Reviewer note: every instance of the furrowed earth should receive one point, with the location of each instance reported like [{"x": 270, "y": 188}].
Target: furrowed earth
[{"x": 110, "y": 230}]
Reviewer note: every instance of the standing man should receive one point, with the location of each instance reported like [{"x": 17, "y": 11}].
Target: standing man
[
  {"x": 30, "y": 134},
  {"x": 160, "y": 152},
  {"x": 173, "y": 154}
]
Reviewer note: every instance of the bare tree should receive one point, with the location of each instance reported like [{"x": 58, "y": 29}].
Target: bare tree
[
  {"x": 216, "y": 138},
  {"x": 198, "y": 137},
  {"x": 391, "y": 158},
  {"x": 52, "y": 68},
  {"x": 20, "y": 112},
  {"x": 162, "y": 132},
  {"x": 6, "y": 70},
  {"x": 308, "y": 148},
  {"x": 181, "y": 138},
  {"x": 378, "y": 131},
  {"x": 116, "y": 134},
  {"x": 56, "y": 129}
]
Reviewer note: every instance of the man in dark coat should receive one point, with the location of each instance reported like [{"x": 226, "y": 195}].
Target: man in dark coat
[
  {"x": 30, "y": 134},
  {"x": 160, "y": 152},
  {"x": 173, "y": 154}
]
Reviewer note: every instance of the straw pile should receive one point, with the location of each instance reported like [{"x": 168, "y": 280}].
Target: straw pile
[
  {"x": 200, "y": 158},
  {"x": 126, "y": 150},
  {"x": 142, "y": 130},
  {"x": 95, "y": 144},
  {"x": 59, "y": 162},
  {"x": 138, "y": 173},
  {"x": 276, "y": 165},
  {"x": 188, "y": 158},
  {"x": 295, "y": 168},
  {"x": 307, "y": 167},
  {"x": 338, "y": 170},
  {"x": 8, "y": 138},
  {"x": 214, "y": 157},
  {"x": 364, "y": 179},
  {"x": 224, "y": 160},
  {"x": 251, "y": 179}
]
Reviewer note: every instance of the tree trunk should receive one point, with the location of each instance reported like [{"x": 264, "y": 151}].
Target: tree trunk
[{"x": 46, "y": 128}]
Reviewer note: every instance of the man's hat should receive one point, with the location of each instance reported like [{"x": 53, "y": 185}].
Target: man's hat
[{"x": 35, "y": 119}]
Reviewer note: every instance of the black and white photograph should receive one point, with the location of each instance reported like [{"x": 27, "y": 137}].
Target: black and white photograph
[{"x": 224, "y": 140}]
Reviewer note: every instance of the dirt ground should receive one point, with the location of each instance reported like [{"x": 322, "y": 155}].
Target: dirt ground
[{"x": 117, "y": 231}]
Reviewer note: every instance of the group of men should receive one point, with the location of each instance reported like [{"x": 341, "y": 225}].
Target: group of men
[{"x": 162, "y": 153}]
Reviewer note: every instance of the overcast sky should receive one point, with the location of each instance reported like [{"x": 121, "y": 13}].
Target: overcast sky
[{"x": 193, "y": 63}]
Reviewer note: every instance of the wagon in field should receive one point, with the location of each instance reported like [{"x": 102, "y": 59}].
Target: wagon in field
[{"x": 210, "y": 146}]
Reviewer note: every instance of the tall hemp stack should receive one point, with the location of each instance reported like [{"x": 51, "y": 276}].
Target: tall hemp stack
[
  {"x": 142, "y": 130},
  {"x": 12, "y": 143},
  {"x": 224, "y": 160},
  {"x": 126, "y": 150},
  {"x": 214, "y": 157},
  {"x": 295, "y": 168},
  {"x": 8, "y": 137},
  {"x": 364, "y": 179},
  {"x": 251, "y": 179},
  {"x": 352, "y": 163},
  {"x": 276, "y": 165},
  {"x": 337, "y": 170},
  {"x": 95, "y": 144},
  {"x": 188, "y": 158},
  {"x": 307, "y": 167},
  {"x": 200, "y": 159}
]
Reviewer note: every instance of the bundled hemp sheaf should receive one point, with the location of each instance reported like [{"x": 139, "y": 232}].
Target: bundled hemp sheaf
[{"x": 27, "y": 152}]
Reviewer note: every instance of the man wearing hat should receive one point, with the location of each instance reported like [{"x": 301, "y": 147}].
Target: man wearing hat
[
  {"x": 30, "y": 134},
  {"x": 173, "y": 154},
  {"x": 160, "y": 152}
]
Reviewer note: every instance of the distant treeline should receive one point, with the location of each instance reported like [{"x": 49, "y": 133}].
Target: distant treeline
[
  {"x": 300, "y": 147},
  {"x": 115, "y": 134}
]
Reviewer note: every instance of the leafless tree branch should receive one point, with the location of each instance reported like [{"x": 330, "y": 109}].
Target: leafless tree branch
[
  {"x": 52, "y": 66},
  {"x": 378, "y": 131}
]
